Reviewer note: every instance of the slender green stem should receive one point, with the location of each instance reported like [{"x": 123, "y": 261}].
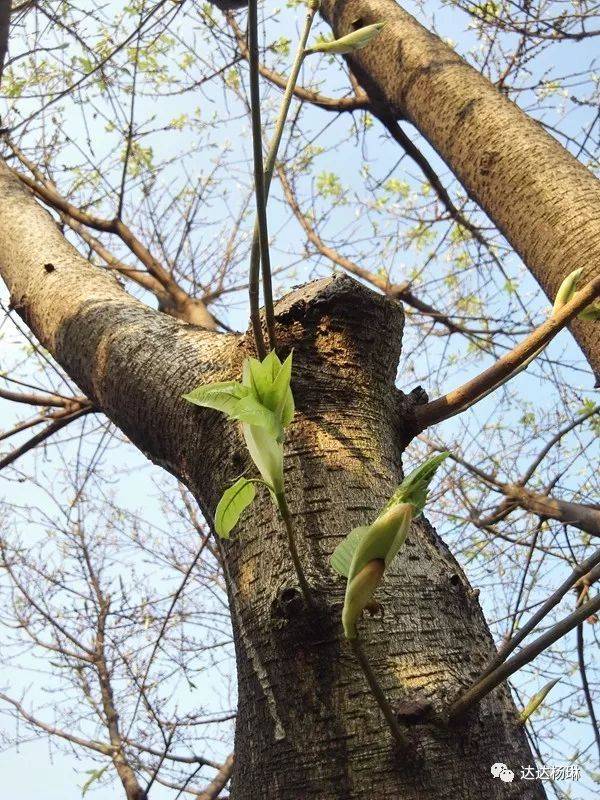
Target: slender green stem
[
  {"x": 289, "y": 528},
  {"x": 379, "y": 695},
  {"x": 256, "y": 253},
  {"x": 259, "y": 183}
]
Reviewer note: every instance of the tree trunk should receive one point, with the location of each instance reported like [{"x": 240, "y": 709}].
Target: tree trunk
[
  {"x": 542, "y": 198},
  {"x": 307, "y": 726}
]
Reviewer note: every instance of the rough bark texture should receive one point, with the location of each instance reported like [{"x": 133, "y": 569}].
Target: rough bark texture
[
  {"x": 544, "y": 201},
  {"x": 307, "y": 727}
]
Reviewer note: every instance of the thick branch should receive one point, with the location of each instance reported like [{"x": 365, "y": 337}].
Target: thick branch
[
  {"x": 219, "y": 782},
  {"x": 172, "y": 298},
  {"x": 542, "y": 199},
  {"x": 132, "y": 362}
]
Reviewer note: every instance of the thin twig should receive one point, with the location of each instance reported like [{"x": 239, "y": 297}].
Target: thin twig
[
  {"x": 578, "y": 572},
  {"x": 585, "y": 685},
  {"x": 270, "y": 167},
  {"x": 459, "y": 400},
  {"x": 4, "y": 30},
  {"x": 259, "y": 189},
  {"x": 379, "y": 695},
  {"x": 48, "y": 431},
  {"x": 483, "y": 687},
  {"x": 289, "y": 529}
]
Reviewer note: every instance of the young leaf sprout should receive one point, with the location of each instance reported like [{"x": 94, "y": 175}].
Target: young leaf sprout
[
  {"x": 264, "y": 406},
  {"x": 349, "y": 43},
  {"x": 537, "y": 700},
  {"x": 367, "y": 551},
  {"x": 363, "y": 557}
]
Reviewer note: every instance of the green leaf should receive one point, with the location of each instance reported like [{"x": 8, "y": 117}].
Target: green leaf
[
  {"x": 567, "y": 289},
  {"x": 566, "y": 292},
  {"x": 364, "y": 555},
  {"x": 251, "y": 412},
  {"x": 234, "y": 501},
  {"x": 342, "y": 556},
  {"x": 537, "y": 700},
  {"x": 414, "y": 487},
  {"x": 95, "y": 775},
  {"x": 258, "y": 376},
  {"x": 267, "y": 453},
  {"x": 276, "y": 396},
  {"x": 349, "y": 43},
  {"x": 289, "y": 409},
  {"x": 384, "y": 539},
  {"x": 359, "y": 592},
  {"x": 223, "y": 397}
]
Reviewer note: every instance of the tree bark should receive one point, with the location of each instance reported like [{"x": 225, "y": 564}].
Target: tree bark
[
  {"x": 307, "y": 727},
  {"x": 544, "y": 201}
]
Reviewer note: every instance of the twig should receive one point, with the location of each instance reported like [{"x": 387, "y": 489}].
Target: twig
[
  {"x": 379, "y": 695},
  {"x": 476, "y": 692},
  {"x": 270, "y": 165},
  {"x": 4, "y": 30},
  {"x": 578, "y": 572},
  {"x": 337, "y": 105},
  {"x": 259, "y": 189},
  {"x": 289, "y": 529},
  {"x": 459, "y": 400},
  {"x": 585, "y": 685},
  {"x": 40, "y": 437}
]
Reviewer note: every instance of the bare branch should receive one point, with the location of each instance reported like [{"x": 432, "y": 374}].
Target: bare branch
[
  {"x": 486, "y": 685},
  {"x": 468, "y": 394},
  {"x": 580, "y": 571},
  {"x": 219, "y": 781},
  {"x": 4, "y": 31}
]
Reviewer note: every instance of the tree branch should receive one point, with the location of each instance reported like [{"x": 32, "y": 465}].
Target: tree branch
[
  {"x": 399, "y": 291},
  {"x": 132, "y": 362},
  {"x": 544, "y": 201},
  {"x": 173, "y": 299},
  {"x": 343, "y": 104},
  {"x": 579, "y": 572},
  {"x": 219, "y": 782},
  {"x": 4, "y": 31},
  {"x": 492, "y": 378},
  {"x": 527, "y": 654}
]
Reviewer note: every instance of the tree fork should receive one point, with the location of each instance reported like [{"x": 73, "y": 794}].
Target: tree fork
[{"x": 542, "y": 199}]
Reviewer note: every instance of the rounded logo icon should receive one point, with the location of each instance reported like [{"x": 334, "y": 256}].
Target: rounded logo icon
[{"x": 500, "y": 770}]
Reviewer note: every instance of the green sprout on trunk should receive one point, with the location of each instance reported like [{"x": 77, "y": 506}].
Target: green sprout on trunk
[
  {"x": 263, "y": 404},
  {"x": 367, "y": 551},
  {"x": 363, "y": 557}
]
